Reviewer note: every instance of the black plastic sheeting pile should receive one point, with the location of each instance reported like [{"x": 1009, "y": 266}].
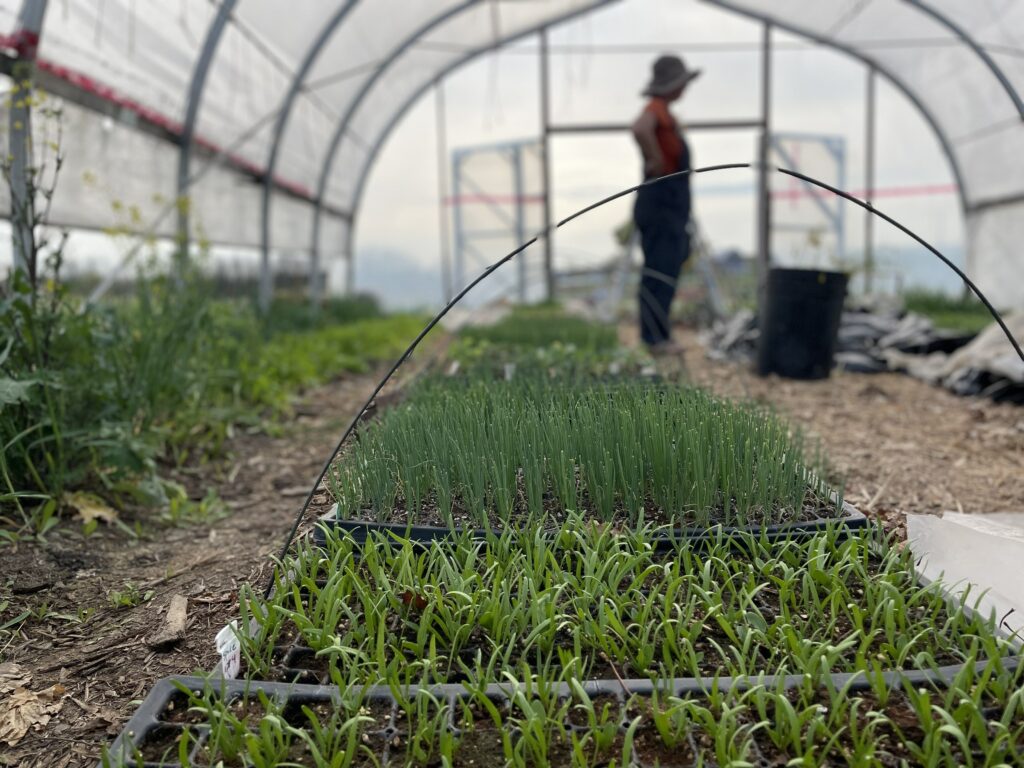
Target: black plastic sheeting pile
[{"x": 876, "y": 339}]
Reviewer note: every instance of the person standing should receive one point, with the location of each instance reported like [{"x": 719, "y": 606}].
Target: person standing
[{"x": 662, "y": 209}]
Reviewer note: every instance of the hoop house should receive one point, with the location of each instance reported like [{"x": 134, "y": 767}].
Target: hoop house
[{"x": 302, "y": 101}]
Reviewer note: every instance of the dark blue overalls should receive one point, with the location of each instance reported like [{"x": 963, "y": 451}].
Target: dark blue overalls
[{"x": 662, "y": 215}]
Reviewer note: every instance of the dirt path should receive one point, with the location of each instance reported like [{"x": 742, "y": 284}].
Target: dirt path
[{"x": 104, "y": 663}]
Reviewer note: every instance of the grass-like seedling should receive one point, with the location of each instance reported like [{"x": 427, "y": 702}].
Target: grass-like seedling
[
  {"x": 543, "y": 326},
  {"x": 477, "y": 358},
  {"x": 477, "y": 454},
  {"x": 607, "y": 606}
]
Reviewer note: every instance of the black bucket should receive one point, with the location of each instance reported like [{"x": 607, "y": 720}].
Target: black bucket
[{"x": 800, "y": 322}]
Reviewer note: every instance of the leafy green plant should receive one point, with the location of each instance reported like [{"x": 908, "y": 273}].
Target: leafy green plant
[
  {"x": 587, "y": 603},
  {"x": 536, "y": 614},
  {"x": 93, "y": 397},
  {"x": 974, "y": 720},
  {"x": 88, "y": 404},
  {"x": 296, "y": 314},
  {"x": 334, "y": 743},
  {"x": 181, "y": 510},
  {"x": 129, "y": 597}
]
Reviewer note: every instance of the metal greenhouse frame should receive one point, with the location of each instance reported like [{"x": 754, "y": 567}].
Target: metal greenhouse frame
[{"x": 989, "y": 202}]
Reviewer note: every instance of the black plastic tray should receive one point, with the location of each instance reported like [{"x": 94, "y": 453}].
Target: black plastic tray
[
  {"x": 360, "y": 530},
  {"x": 151, "y": 717}
]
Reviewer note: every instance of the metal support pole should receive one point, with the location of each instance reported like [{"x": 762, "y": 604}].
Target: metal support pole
[
  {"x": 763, "y": 197},
  {"x": 382, "y": 135},
  {"x": 460, "y": 239},
  {"x": 350, "y": 268},
  {"x": 341, "y": 130},
  {"x": 295, "y": 87},
  {"x": 545, "y": 127},
  {"x": 838, "y": 151},
  {"x": 520, "y": 226},
  {"x": 442, "y": 192},
  {"x": 316, "y": 293},
  {"x": 869, "y": 182},
  {"x": 265, "y": 289},
  {"x": 195, "y": 96},
  {"x": 26, "y": 39}
]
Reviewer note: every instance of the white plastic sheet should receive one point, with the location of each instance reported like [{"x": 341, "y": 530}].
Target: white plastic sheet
[
  {"x": 979, "y": 553},
  {"x": 974, "y": 112}
]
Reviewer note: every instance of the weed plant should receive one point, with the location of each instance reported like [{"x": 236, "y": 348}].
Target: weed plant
[
  {"x": 602, "y": 605},
  {"x": 98, "y": 400},
  {"x": 483, "y": 455}
]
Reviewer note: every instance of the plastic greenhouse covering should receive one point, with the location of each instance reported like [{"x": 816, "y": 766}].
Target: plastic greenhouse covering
[
  {"x": 332, "y": 77},
  {"x": 963, "y": 64}
]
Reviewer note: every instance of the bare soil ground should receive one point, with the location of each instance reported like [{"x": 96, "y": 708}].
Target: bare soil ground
[
  {"x": 104, "y": 664},
  {"x": 903, "y": 447}
]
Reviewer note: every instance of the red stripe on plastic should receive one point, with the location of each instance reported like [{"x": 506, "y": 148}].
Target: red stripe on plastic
[
  {"x": 152, "y": 116},
  {"x": 24, "y": 42},
  {"x": 911, "y": 190}
]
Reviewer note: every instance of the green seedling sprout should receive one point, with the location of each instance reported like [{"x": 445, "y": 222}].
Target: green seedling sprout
[
  {"x": 334, "y": 744},
  {"x": 617, "y": 453},
  {"x": 533, "y": 611}
]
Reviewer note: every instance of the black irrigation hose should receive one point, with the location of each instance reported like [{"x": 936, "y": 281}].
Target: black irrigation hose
[{"x": 505, "y": 259}]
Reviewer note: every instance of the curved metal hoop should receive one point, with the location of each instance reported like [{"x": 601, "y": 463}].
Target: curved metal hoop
[{"x": 572, "y": 217}]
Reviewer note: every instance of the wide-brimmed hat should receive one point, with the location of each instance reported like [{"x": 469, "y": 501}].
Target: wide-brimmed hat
[{"x": 668, "y": 73}]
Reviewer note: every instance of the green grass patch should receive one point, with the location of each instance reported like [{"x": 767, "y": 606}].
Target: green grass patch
[
  {"x": 532, "y": 451},
  {"x": 965, "y": 314}
]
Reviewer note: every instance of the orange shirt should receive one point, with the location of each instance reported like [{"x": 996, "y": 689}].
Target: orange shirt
[{"x": 673, "y": 149}]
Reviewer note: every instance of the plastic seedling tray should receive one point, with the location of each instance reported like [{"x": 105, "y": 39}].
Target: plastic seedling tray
[
  {"x": 296, "y": 663},
  {"x": 161, "y": 719},
  {"x": 852, "y": 520}
]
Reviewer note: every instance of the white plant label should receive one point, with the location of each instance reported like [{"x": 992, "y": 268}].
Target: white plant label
[{"x": 230, "y": 651}]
